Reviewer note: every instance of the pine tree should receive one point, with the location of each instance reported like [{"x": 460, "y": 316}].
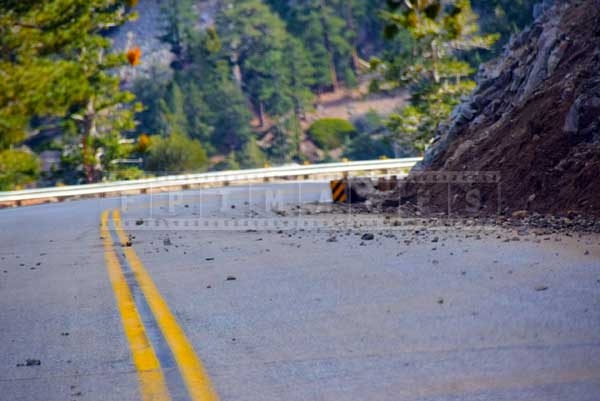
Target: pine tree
[
  {"x": 231, "y": 117},
  {"x": 436, "y": 33},
  {"x": 172, "y": 108},
  {"x": 226, "y": 111},
  {"x": 179, "y": 19},
  {"x": 254, "y": 38},
  {"x": 197, "y": 113},
  {"x": 251, "y": 156},
  {"x": 59, "y": 66},
  {"x": 150, "y": 90},
  {"x": 324, "y": 32},
  {"x": 301, "y": 76}
]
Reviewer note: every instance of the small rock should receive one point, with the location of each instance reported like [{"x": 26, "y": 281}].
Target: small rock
[
  {"x": 167, "y": 242},
  {"x": 367, "y": 237},
  {"x": 440, "y": 301},
  {"x": 520, "y": 214},
  {"x": 332, "y": 239},
  {"x": 209, "y": 259},
  {"x": 541, "y": 288},
  {"x": 231, "y": 278},
  {"x": 139, "y": 222}
]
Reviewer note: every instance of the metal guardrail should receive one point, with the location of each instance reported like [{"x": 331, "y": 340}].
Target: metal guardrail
[{"x": 223, "y": 177}]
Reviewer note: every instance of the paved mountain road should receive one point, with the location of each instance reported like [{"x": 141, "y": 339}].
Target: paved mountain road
[{"x": 287, "y": 314}]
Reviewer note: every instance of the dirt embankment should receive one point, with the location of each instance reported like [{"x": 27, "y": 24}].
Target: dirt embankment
[{"x": 534, "y": 119}]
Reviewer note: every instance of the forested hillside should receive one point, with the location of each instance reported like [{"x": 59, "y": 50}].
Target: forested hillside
[{"x": 154, "y": 86}]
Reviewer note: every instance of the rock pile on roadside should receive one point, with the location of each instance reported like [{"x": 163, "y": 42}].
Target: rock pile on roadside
[{"x": 534, "y": 119}]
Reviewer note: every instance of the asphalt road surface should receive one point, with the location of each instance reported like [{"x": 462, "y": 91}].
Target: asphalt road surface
[{"x": 221, "y": 295}]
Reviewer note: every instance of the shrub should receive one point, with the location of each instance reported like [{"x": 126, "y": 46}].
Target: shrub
[
  {"x": 129, "y": 173},
  {"x": 365, "y": 147},
  {"x": 175, "y": 153},
  {"x": 17, "y": 168},
  {"x": 331, "y": 133}
]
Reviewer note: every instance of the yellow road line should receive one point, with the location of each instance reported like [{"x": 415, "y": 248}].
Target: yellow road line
[
  {"x": 194, "y": 375},
  {"x": 152, "y": 382}
]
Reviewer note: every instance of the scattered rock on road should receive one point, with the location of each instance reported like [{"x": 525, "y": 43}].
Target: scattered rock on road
[
  {"x": 367, "y": 237},
  {"x": 30, "y": 362},
  {"x": 541, "y": 288}
]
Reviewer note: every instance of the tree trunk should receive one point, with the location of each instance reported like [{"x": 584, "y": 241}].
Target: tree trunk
[
  {"x": 261, "y": 114},
  {"x": 332, "y": 71},
  {"x": 89, "y": 130},
  {"x": 350, "y": 24},
  {"x": 434, "y": 53},
  {"x": 237, "y": 70}
]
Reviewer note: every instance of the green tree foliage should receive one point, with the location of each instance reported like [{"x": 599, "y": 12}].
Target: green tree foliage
[
  {"x": 372, "y": 139},
  {"x": 285, "y": 145},
  {"x": 301, "y": 74},
  {"x": 504, "y": 17},
  {"x": 331, "y": 133},
  {"x": 436, "y": 32},
  {"x": 203, "y": 101},
  {"x": 17, "y": 168},
  {"x": 172, "y": 110},
  {"x": 231, "y": 117},
  {"x": 229, "y": 163},
  {"x": 175, "y": 153},
  {"x": 197, "y": 113},
  {"x": 326, "y": 36},
  {"x": 55, "y": 62},
  {"x": 251, "y": 155},
  {"x": 267, "y": 62},
  {"x": 151, "y": 92},
  {"x": 179, "y": 18}
]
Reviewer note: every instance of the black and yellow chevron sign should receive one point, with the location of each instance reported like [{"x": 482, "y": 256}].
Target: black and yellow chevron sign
[{"x": 338, "y": 191}]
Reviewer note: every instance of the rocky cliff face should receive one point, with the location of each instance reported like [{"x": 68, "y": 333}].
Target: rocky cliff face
[{"x": 534, "y": 117}]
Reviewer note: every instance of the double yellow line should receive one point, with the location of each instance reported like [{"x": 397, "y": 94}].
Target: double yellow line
[{"x": 153, "y": 386}]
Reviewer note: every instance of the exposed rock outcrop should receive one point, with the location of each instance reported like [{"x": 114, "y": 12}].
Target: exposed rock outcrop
[{"x": 534, "y": 118}]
